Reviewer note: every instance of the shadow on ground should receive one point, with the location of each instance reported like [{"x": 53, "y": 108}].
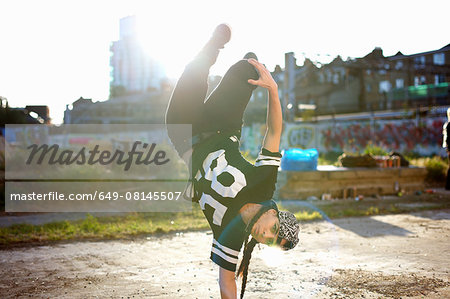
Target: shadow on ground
[{"x": 371, "y": 227}]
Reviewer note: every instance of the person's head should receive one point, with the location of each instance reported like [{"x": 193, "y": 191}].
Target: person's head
[
  {"x": 266, "y": 228},
  {"x": 275, "y": 227},
  {"x": 270, "y": 227},
  {"x": 448, "y": 114}
]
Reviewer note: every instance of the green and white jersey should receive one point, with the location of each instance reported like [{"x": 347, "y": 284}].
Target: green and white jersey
[{"x": 224, "y": 182}]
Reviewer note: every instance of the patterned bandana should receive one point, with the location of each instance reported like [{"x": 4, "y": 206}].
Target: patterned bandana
[{"x": 289, "y": 230}]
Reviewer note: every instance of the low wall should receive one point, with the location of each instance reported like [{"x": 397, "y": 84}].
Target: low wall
[{"x": 340, "y": 182}]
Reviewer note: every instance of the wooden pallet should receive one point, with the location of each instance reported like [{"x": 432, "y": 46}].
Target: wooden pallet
[{"x": 346, "y": 182}]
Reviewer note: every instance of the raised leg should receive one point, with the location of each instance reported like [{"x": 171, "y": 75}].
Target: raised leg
[
  {"x": 186, "y": 105},
  {"x": 224, "y": 108}
]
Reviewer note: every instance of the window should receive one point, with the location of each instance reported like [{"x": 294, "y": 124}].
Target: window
[
  {"x": 336, "y": 78},
  {"x": 399, "y": 65},
  {"x": 419, "y": 80},
  {"x": 329, "y": 76},
  {"x": 423, "y": 80},
  {"x": 439, "y": 58},
  {"x": 399, "y": 83},
  {"x": 420, "y": 60},
  {"x": 321, "y": 78},
  {"x": 385, "y": 86},
  {"x": 439, "y": 79}
]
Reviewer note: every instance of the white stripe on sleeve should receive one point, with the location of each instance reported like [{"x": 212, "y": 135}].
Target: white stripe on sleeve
[
  {"x": 267, "y": 162},
  {"x": 261, "y": 156},
  {"x": 224, "y": 256},
  {"x": 226, "y": 249}
]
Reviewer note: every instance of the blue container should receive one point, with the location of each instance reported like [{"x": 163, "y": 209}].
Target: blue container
[{"x": 296, "y": 159}]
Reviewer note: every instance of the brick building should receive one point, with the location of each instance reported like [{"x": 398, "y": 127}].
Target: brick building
[{"x": 373, "y": 82}]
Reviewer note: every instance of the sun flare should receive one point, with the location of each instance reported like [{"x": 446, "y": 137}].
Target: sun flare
[
  {"x": 169, "y": 43},
  {"x": 272, "y": 257}
]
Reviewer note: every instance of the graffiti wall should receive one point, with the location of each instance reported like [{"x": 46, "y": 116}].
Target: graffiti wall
[{"x": 422, "y": 136}]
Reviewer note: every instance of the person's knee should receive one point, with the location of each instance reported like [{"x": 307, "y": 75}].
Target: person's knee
[{"x": 244, "y": 70}]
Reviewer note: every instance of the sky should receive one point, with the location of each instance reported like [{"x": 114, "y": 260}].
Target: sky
[{"x": 53, "y": 52}]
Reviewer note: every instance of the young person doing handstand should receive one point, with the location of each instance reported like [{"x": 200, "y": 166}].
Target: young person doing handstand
[{"x": 235, "y": 195}]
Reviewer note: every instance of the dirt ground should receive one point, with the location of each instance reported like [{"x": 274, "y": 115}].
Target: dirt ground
[{"x": 389, "y": 256}]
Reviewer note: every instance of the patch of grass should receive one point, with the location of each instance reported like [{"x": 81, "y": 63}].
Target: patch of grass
[
  {"x": 348, "y": 213},
  {"x": 90, "y": 224},
  {"x": 374, "y": 150},
  {"x": 372, "y": 211},
  {"x": 411, "y": 155},
  {"x": 112, "y": 227},
  {"x": 436, "y": 168},
  {"x": 329, "y": 158},
  {"x": 393, "y": 209},
  {"x": 307, "y": 215},
  {"x": 423, "y": 161}
]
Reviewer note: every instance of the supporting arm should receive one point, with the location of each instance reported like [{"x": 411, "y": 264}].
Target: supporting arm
[{"x": 227, "y": 284}]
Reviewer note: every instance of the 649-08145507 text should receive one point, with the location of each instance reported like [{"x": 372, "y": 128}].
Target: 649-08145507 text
[{"x": 108, "y": 195}]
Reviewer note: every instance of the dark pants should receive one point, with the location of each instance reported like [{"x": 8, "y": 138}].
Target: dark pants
[
  {"x": 222, "y": 111},
  {"x": 447, "y": 183}
]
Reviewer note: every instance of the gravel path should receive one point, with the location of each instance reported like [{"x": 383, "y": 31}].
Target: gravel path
[{"x": 389, "y": 256}]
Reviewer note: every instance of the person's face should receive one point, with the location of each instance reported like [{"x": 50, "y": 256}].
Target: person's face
[{"x": 266, "y": 229}]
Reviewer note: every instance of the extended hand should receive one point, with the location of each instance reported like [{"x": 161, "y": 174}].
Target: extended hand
[{"x": 265, "y": 78}]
